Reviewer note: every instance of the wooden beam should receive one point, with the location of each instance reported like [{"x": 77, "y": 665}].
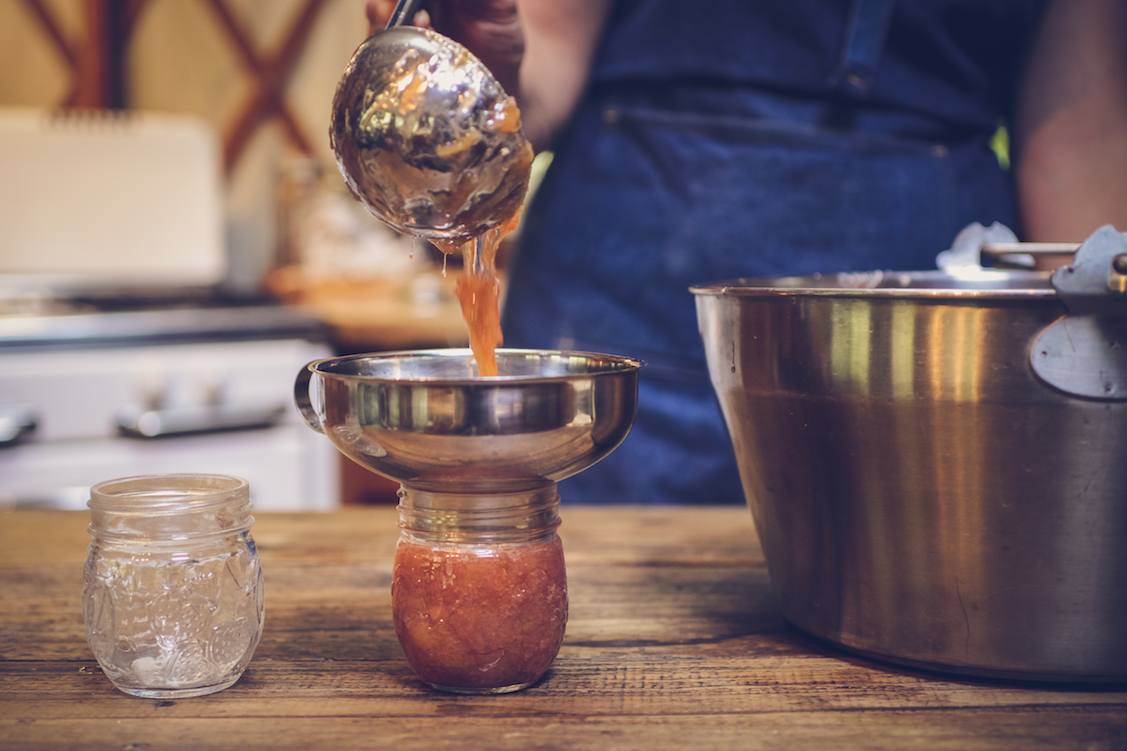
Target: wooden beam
[
  {"x": 255, "y": 65},
  {"x": 93, "y": 68},
  {"x": 271, "y": 74},
  {"x": 53, "y": 30}
]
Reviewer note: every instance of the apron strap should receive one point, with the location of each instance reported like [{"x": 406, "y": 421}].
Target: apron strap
[{"x": 863, "y": 44}]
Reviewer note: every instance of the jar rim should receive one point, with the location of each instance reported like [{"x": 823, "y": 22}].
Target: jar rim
[
  {"x": 479, "y": 518},
  {"x": 167, "y": 492}
]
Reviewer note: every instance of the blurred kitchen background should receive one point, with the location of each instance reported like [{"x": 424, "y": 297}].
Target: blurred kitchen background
[{"x": 175, "y": 242}]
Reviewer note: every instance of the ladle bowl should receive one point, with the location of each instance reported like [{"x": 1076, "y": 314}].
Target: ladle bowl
[{"x": 426, "y": 138}]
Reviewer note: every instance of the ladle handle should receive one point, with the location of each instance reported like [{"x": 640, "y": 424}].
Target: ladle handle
[
  {"x": 301, "y": 396},
  {"x": 404, "y": 11}
]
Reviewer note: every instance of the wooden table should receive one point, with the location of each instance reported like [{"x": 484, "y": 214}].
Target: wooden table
[{"x": 674, "y": 642}]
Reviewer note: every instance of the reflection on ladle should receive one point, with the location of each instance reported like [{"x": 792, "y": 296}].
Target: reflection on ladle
[{"x": 426, "y": 137}]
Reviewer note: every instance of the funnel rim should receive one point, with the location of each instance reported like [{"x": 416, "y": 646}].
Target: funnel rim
[{"x": 615, "y": 365}]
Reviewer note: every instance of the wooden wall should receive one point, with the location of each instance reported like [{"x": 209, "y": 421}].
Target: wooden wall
[{"x": 229, "y": 62}]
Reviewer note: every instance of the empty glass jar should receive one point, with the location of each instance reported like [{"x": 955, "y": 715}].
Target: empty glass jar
[{"x": 173, "y": 587}]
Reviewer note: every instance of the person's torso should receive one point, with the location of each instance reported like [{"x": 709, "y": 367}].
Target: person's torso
[
  {"x": 720, "y": 139},
  {"x": 956, "y": 62}
]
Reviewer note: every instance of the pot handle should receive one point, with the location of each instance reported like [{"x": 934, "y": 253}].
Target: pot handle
[
  {"x": 977, "y": 248},
  {"x": 301, "y": 387},
  {"x": 1021, "y": 255},
  {"x": 1084, "y": 352}
]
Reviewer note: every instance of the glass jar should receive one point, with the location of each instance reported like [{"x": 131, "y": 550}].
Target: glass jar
[
  {"x": 173, "y": 587},
  {"x": 479, "y": 589}
]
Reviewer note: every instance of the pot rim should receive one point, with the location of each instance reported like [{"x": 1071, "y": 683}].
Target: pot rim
[{"x": 986, "y": 284}]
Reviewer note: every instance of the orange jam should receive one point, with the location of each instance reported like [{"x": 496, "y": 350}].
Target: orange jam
[
  {"x": 479, "y": 293},
  {"x": 478, "y": 289},
  {"x": 480, "y": 619}
]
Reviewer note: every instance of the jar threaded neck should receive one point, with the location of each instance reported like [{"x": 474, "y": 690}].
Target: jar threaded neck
[
  {"x": 156, "y": 509},
  {"x": 479, "y": 518}
]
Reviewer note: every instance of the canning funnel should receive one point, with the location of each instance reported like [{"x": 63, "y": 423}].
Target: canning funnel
[{"x": 424, "y": 419}]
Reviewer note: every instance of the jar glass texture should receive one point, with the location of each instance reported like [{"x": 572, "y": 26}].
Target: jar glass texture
[{"x": 173, "y": 597}]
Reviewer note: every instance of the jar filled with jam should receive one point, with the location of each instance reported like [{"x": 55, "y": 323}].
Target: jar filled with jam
[{"x": 479, "y": 590}]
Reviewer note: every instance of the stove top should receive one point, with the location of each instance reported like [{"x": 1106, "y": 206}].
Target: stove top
[{"x": 77, "y": 322}]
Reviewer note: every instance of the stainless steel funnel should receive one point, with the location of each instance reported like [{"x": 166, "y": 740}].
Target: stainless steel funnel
[{"x": 423, "y": 418}]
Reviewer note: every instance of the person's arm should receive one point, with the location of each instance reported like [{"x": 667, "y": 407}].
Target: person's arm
[
  {"x": 1071, "y": 129},
  {"x": 539, "y": 50},
  {"x": 561, "y": 37}
]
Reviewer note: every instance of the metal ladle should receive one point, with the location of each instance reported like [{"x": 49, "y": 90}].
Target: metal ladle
[{"x": 426, "y": 137}]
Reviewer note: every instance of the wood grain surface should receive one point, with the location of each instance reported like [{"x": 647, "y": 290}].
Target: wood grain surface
[{"x": 674, "y": 642}]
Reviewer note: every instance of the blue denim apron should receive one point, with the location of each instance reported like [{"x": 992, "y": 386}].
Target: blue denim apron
[{"x": 737, "y": 148}]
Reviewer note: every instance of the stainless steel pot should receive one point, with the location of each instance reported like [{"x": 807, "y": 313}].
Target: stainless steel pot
[{"x": 935, "y": 464}]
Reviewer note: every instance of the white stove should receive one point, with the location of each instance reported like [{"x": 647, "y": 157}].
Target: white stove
[{"x": 90, "y": 396}]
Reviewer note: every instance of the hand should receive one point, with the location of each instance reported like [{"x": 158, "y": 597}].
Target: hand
[
  {"x": 488, "y": 28},
  {"x": 541, "y": 55},
  {"x": 379, "y": 13}
]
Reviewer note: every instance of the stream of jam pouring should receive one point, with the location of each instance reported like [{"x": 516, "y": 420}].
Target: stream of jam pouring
[
  {"x": 479, "y": 288},
  {"x": 479, "y": 293}
]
